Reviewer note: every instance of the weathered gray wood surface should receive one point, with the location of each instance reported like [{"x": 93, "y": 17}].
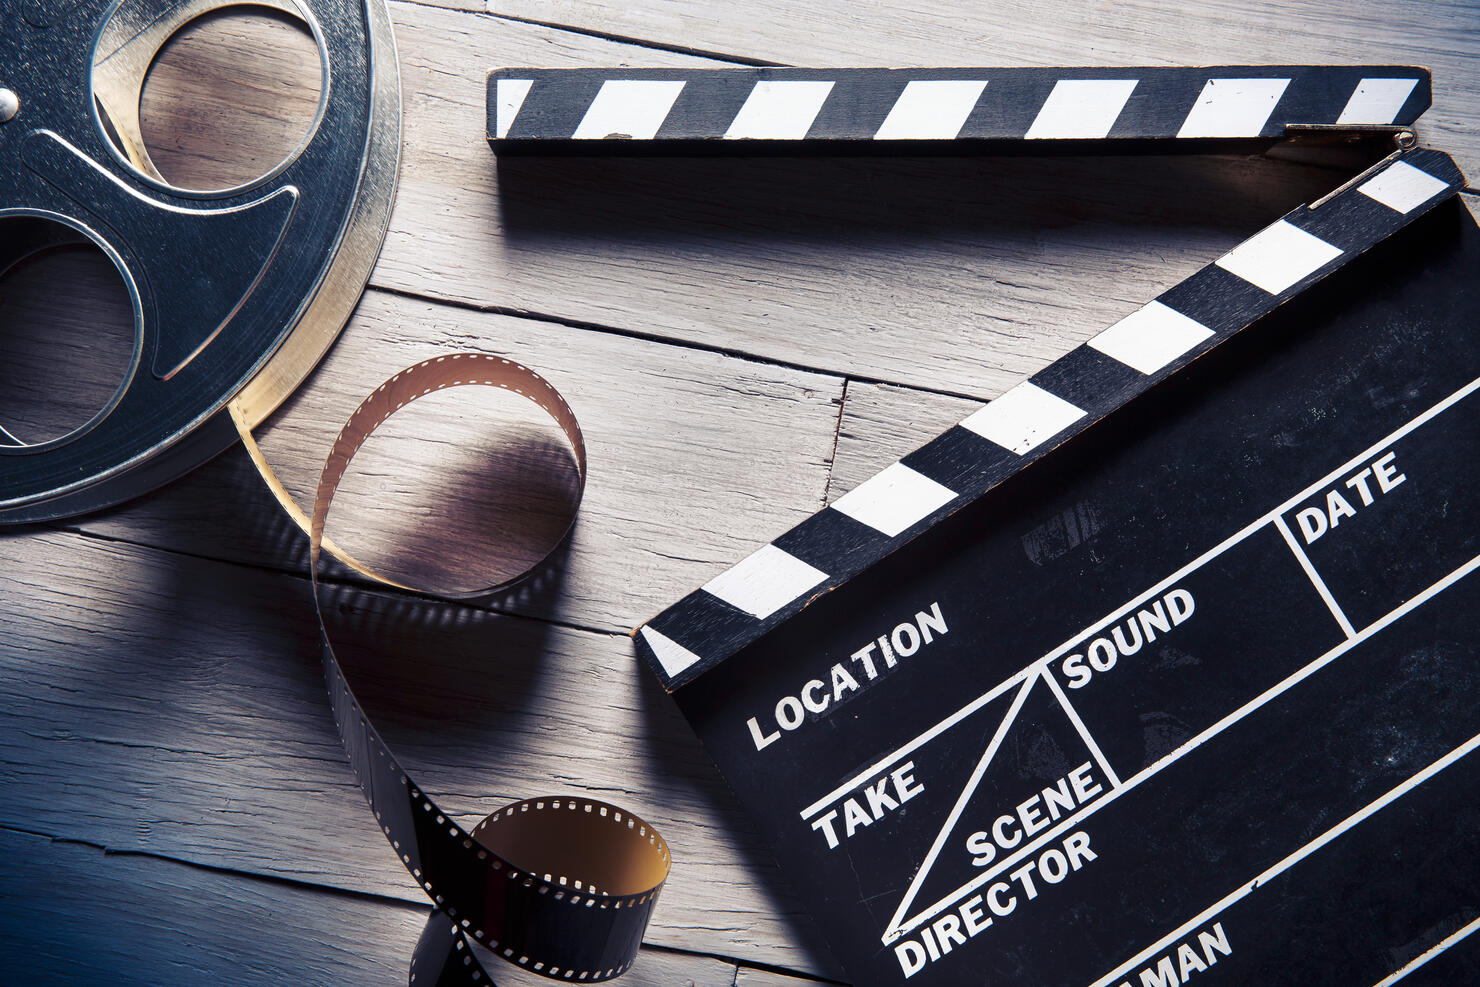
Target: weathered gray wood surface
[
  {"x": 742, "y": 341},
  {"x": 177, "y": 700},
  {"x": 650, "y": 413},
  {"x": 1442, "y": 35},
  {"x": 101, "y": 917}
]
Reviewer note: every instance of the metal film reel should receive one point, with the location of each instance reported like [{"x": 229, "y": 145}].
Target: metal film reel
[{"x": 236, "y": 293}]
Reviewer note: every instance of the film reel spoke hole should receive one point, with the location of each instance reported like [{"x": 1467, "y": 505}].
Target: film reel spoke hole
[
  {"x": 228, "y": 98},
  {"x": 465, "y": 488},
  {"x": 67, "y": 331}
]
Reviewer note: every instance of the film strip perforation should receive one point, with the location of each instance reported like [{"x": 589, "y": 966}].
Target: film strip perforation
[
  {"x": 457, "y": 837},
  {"x": 743, "y": 602}
]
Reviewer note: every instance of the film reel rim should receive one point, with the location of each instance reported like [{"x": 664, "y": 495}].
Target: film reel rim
[
  {"x": 130, "y": 286},
  {"x": 348, "y": 272},
  {"x": 196, "y": 10}
]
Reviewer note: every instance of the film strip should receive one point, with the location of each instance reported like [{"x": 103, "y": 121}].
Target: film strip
[
  {"x": 562, "y": 886},
  {"x": 877, "y": 109},
  {"x": 744, "y": 603}
]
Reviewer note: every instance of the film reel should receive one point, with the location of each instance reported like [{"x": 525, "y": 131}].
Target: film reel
[
  {"x": 561, "y": 886},
  {"x": 236, "y": 294}
]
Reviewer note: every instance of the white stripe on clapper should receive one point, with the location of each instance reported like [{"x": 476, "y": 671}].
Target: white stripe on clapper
[
  {"x": 1023, "y": 418},
  {"x": 1150, "y": 337},
  {"x": 1402, "y": 187},
  {"x": 779, "y": 109},
  {"x": 764, "y": 582},
  {"x": 510, "y": 94},
  {"x": 673, "y": 656},
  {"x": 1376, "y": 101},
  {"x": 931, "y": 109},
  {"x": 628, "y": 108},
  {"x": 1278, "y": 256},
  {"x": 1081, "y": 108},
  {"x": 1233, "y": 107},
  {"x": 893, "y": 499}
]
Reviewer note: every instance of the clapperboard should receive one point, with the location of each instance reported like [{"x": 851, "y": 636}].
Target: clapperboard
[{"x": 1163, "y": 667}]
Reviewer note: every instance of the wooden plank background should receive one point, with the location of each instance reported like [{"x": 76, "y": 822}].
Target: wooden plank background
[{"x": 742, "y": 340}]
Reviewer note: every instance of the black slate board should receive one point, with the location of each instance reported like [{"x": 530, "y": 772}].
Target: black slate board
[{"x": 1282, "y": 781}]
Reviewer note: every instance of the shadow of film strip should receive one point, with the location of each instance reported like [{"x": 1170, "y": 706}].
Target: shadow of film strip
[
  {"x": 873, "y": 108},
  {"x": 900, "y": 502}
]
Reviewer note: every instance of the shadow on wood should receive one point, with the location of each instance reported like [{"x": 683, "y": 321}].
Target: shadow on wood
[
  {"x": 889, "y": 201},
  {"x": 670, "y": 744}
]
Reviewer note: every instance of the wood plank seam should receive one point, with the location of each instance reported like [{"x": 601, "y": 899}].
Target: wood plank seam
[
  {"x": 649, "y": 337},
  {"x": 621, "y": 39},
  {"x": 837, "y": 435},
  {"x": 233, "y": 872},
  {"x": 344, "y": 579}
]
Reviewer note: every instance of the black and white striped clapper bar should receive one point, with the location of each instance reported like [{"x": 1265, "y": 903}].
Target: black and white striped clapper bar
[
  {"x": 1160, "y": 668},
  {"x": 879, "y": 110}
]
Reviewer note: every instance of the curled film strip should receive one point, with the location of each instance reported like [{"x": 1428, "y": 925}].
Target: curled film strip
[{"x": 562, "y": 886}]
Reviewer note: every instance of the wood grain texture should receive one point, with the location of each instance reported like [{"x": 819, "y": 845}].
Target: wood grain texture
[
  {"x": 173, "y": 705},
  {"x": 748, "y": 977},
  {"x": 945, "y": 274},
  {"x": 129, "y": 919},
  {"x": 682, "y": 443},
  {"x": 60, "y": 368},
  {"x": 229, "y": 97},
  {"x": 92, "y": 917},
  {"x": 881, "y": 423},
  {"x": 158, "y": 667},
  {"x": 653, "y": 968}
]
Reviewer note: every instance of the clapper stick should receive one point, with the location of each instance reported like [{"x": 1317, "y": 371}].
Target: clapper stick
[{"x": 954, "y": 110}]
